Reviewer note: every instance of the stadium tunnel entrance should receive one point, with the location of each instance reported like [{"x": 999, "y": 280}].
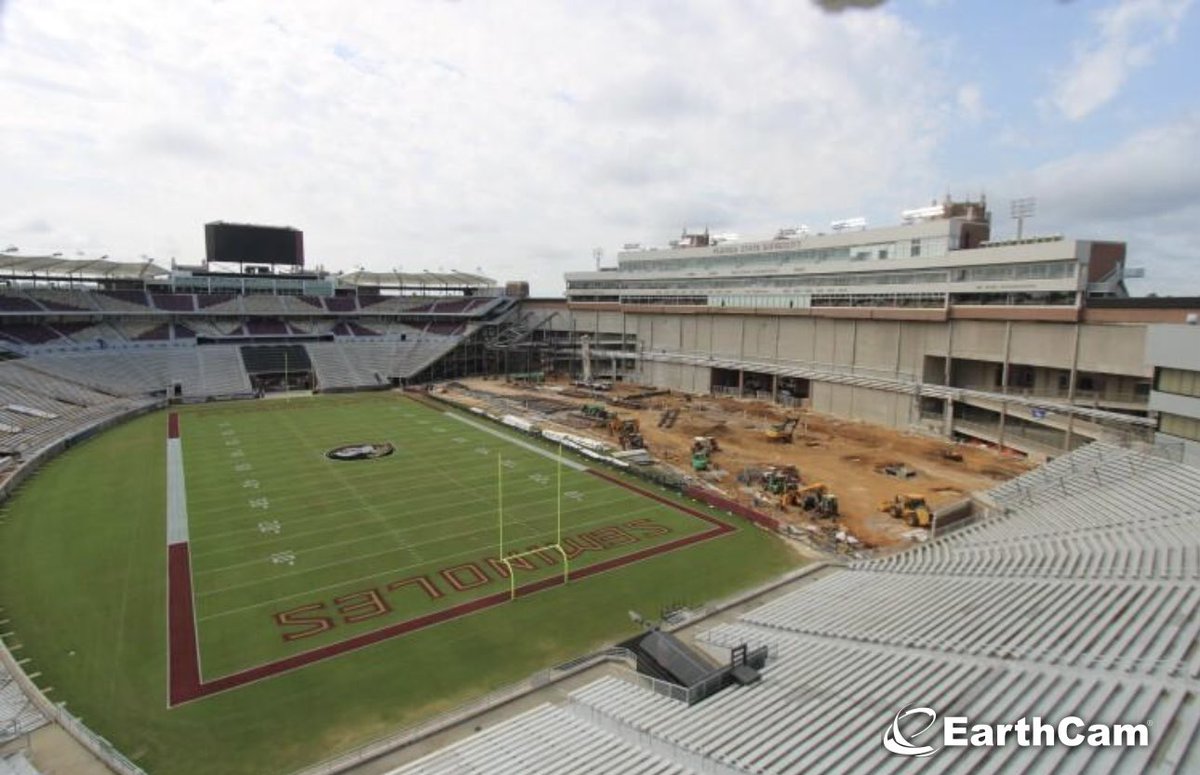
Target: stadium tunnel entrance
[{"x": 275, "y": 368}]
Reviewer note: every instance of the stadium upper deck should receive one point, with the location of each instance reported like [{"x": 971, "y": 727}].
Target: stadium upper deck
[{"x": 940, "y": 257}]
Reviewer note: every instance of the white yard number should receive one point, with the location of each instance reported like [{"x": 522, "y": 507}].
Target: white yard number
[
  {"x": 260, "y": 503},
  {"x": 271, "y": 526},
  {"x": 573, "y": 495},
  {"x": 481, "y": 450},
  {"x": 283, "y": 558},
  {"x": 242, "y": 468},
  {"x": 540, "y": 478},
  {"x": 250, "y": 484}
]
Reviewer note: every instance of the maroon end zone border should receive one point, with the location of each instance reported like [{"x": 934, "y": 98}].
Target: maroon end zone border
[{"x": 186, "y": 683}]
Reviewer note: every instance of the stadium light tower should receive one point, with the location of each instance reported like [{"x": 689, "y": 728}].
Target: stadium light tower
[{"x": 1021, "y": 209}]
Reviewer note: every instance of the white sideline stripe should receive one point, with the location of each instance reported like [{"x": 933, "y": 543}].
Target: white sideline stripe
[
  {"x": 177, "y": 521},
  {"x": 531, "y": 447}
]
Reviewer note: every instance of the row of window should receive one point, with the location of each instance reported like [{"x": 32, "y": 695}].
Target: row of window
[
  {"x": 1177, "y": 425},
  {"x": 926, "y": 246},
  {"x": 1179, "y": 381},
  {"x": 1036, "y": 271}
]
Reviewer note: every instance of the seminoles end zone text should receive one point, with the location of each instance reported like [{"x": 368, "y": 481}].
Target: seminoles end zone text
[{"x": 310, "y": 619}]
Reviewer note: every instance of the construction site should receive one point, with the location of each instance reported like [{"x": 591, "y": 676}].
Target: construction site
[{"x": 847, "y": 486}]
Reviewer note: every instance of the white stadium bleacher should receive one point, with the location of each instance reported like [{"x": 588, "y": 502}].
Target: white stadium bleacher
[
  {"x": 18, "y": 714},
  {"x": 551, "y": 741},
  {"x": 17, "y": 764},
  {"x": 1078, "y": 594}
]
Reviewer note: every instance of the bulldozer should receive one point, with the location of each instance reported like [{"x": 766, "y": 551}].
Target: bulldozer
[
  {"x": 595, "y": 411},
  {"x": 783, "y": 431},
  {"x": 910, "y": 507},
  {"x": 815, "y": 498},
  {"x": 628, "y": 432}
]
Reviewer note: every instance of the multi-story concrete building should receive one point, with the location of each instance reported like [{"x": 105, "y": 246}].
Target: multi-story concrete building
[
  {"x": 1174, "y": 353},
  {"x": 1031, "y": 344}
]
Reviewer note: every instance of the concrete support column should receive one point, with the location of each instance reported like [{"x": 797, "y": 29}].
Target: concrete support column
[
  {"x": 948, "y": 418},
  {"x": 1071, "y": 390},
  {"x": 741, "y": 381},
  {"x": 774, "y": 388},
  {"x": 1004, "y": 380}
]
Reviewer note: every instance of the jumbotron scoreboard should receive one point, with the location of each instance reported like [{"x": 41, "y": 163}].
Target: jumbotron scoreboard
[{"x": 242, "y": 243}]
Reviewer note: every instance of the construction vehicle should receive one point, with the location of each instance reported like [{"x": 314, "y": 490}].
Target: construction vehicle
[
  {"x": 778, "y": 480},
  {"x": 595, "y": 411},
  {"x": 702, "y": 449},
  {"x": 783, "y": 431},
  {"x": 628, "y": 431},
  {"x": 910, "y": 507},
  {"x": 815, "y": 498}
]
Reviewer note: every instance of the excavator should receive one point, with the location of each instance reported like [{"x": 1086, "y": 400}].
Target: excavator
[
  {"x": 814, "y": 497},
  {"x": 783, "y": 431},
  {"x": 910, "y": 507}
]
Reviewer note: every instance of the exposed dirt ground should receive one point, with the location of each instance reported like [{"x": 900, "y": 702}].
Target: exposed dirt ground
[{"x": 845, "y": 455}]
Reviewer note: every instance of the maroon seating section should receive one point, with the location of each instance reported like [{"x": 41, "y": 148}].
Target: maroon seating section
[
  {"x": 133, "y": 297},
  {"x": 156, "y": 334},
  {"x": 174, "y": 302},
  {"x": 204, "y": 300},
  {"x": 267, "y": 327},
  {"x": 19, "y": 304},
  {"x": 30, "y": 333},
  {"x": 341, "y": 303}
]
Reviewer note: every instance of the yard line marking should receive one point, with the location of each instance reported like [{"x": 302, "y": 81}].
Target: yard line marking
[
  {"x": 304, "y": 495},
  {"x": 519, "y": 442},
  {"x": 341, "y": 526},
  {"x": 390, "y": 571}
]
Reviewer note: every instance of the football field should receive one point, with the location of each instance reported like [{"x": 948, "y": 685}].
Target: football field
[
  {"x": 228, "y": 598},
  {"x": 294, "y": 552}
]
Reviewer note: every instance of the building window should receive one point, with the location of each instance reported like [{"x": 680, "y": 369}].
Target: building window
[
  {"x": 1179, "y": 381},
  {"x": 1176, "y": 425}
]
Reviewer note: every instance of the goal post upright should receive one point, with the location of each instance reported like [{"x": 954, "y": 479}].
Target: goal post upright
[{"x": 557, "y": 545}]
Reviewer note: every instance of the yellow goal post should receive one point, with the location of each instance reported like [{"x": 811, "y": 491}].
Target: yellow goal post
[{"x": 508, "y": 559}]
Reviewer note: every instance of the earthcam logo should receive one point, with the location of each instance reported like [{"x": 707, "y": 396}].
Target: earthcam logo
[
  {"x": 1032, "y": 732},
  {"x": 895, "y": 741}
]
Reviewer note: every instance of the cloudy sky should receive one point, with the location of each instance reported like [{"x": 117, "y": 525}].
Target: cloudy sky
[{"x": 517, "y": 137}]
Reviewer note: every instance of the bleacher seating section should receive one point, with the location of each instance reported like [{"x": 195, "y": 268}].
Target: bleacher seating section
[
  {"x": 1076, "y": 594},
  {"x": 17, "y": 764},
  {"x": 18, "y": 714},
  {"x": 174, "y": 302}
]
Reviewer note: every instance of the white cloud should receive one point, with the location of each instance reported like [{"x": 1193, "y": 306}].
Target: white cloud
[
  {"x": 1144, "y": 191},
  {"x": 1124, "y": 38},
  {"x": 1148, "y": 174},
  {"x": 970, "y": 102},
  {"x": 456, "y": 134}
]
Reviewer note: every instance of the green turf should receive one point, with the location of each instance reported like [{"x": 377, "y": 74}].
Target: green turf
[{"x": 82, "y": 574}]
